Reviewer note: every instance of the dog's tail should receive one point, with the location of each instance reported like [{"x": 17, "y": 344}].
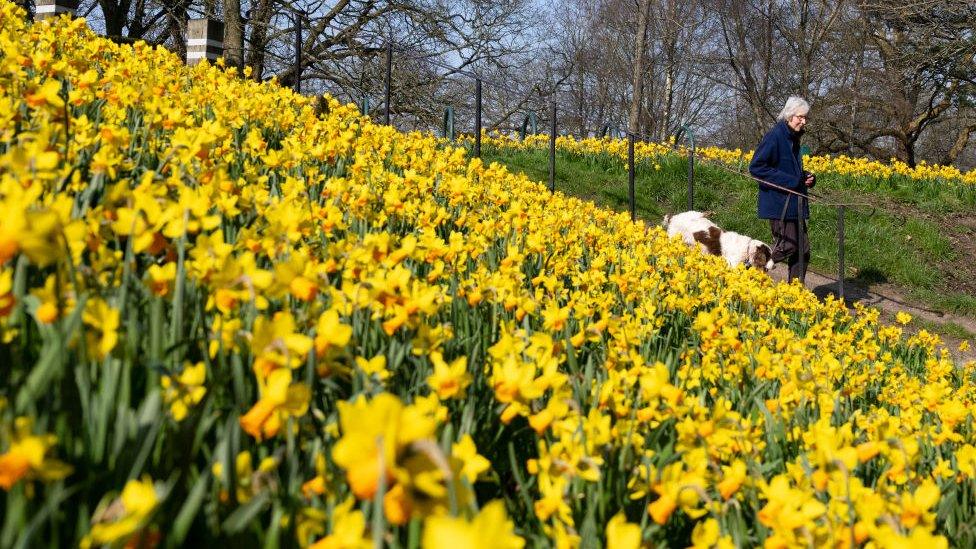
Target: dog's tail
[{"x": 707, "y": 213}]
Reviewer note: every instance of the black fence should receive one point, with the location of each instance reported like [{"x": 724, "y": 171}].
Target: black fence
[{"x": 529, "y": 123}]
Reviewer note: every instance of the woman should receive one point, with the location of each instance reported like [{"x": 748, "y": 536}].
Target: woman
[{"x": 777, "y": 160}]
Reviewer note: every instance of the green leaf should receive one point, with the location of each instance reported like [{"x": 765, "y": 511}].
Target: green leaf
[
  {"x": 181, "y": 526},
  {"x": 52, "y": 504},
  {"x": 271, "y": 538},
  {"x": 245, "y": 514},
  {"x": 48, "y": 366},
  {"x": 589, "y": 533},
  {"x": 15, "y": 515}
]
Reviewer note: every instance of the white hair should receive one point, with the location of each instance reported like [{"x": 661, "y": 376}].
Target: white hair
[{"x": 794, "y": 105}]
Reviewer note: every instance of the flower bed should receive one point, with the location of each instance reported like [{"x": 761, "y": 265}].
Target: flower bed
[{"x": 227, "y": 316}]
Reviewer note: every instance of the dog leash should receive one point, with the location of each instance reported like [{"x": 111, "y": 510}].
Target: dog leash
[{"x": 823, "y": 200}]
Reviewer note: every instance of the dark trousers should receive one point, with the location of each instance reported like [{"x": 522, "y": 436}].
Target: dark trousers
[{"x": 785, "y": 236}]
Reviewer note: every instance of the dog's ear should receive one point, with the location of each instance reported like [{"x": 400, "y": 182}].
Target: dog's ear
[
  {"x": 666, "y": 221},
  {"x": 760, "y": 255}
]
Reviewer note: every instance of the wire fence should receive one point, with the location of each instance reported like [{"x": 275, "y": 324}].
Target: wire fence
[{"x": 530, "y": 122}]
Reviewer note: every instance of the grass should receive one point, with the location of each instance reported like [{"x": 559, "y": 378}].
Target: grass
[
  {"x": 926, "y": 197},
  {"x": 900, "y": 241},
  {"x": 949, "y": 329}
]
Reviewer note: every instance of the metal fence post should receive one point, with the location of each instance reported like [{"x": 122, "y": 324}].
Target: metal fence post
[
  {"x": 204, "y": 40},
  {"x": 529, "y": 126},
  {"x": 389, "y": 78},
  {"x": 840, "y": 252},
  {"x": 611, "y": 131},
  {"x": 448, "y": 123},
  {"x": 297, "y": 84},
  {"x": 552, "y": 147},
  {"x": 691, "y": 178},
  {"x": 477, "y": 118},
  {"x": 690, "y": 135}
]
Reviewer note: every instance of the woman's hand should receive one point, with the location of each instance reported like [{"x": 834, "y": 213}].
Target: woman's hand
[{"x": 809, "y": 179}]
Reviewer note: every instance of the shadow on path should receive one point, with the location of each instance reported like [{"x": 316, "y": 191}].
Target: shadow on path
[{"x": 856, "y": 291}]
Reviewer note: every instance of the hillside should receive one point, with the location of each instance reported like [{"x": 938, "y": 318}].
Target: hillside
[
  {"x": 227, "y": 319},
  {"x": 914, "y": 237}
]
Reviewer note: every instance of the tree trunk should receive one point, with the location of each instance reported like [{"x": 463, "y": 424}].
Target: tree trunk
[
  {"x": 640, "y": 42},
  {"x": 260, "y": 19},
  {"x": 581, "y": 78},
  {"x": 909, "y": 146},
  {"x": 601, "y": 106},
  {"x": 176, "y": 18},
  {"x": 962, "y": 141},
  {"x": 116, "y": 14},
  {"x": 137, "y": 26},
  {"x": 668, "y": 102},
  {"x": 233, "y": 33},
  {"x": 803, "y": 6}
]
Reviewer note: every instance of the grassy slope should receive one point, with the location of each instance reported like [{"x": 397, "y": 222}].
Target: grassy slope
[{"x": 907, "y": 243}]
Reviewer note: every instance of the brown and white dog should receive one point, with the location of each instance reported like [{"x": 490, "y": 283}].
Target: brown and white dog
[{"x": 737, "y": 249}]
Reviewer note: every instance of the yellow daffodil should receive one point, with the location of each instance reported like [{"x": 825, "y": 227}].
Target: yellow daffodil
[
  {"x": 181, "y": 392},
  {"x": 276, "y": 344},
  {"x": 202, "y": 218},
  {"x": 27, "y": 457},
  {"x": 104, "y": 321},
  {"x": 331, "y": 334},
  {"x": 348, "y": 530},
  {"x": 457, "y": 532},
  {"x": 374, "y": 435},
  {"x": 622, "y": 534},
  {"x": 375, "y": 366},
  {"x": 468, "y": 462},
  {"x": 124, "y": 516},
  {"x": 448, "y": 381},
  {"x": 707, "y": 535},
  {"x": 280, "y": 399},
  {"x": 250, "y": 481}
]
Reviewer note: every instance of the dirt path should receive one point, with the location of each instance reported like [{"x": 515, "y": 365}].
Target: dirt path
[{"x": 889, "y": 304}]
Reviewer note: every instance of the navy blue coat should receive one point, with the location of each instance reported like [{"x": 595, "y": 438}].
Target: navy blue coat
[{"x": 777, "y": 160}]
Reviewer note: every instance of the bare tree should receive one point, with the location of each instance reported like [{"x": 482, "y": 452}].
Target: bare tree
[
  {"x": 805, "y": 26},
  {"x": 884, "y": 77},
  {"x": 633, "y": 119},
  {"x": 679, "y": 89},
  {"x": 751, "y": 43}
]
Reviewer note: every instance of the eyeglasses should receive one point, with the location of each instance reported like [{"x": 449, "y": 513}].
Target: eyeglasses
[{"x": 801, "y": 117}]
